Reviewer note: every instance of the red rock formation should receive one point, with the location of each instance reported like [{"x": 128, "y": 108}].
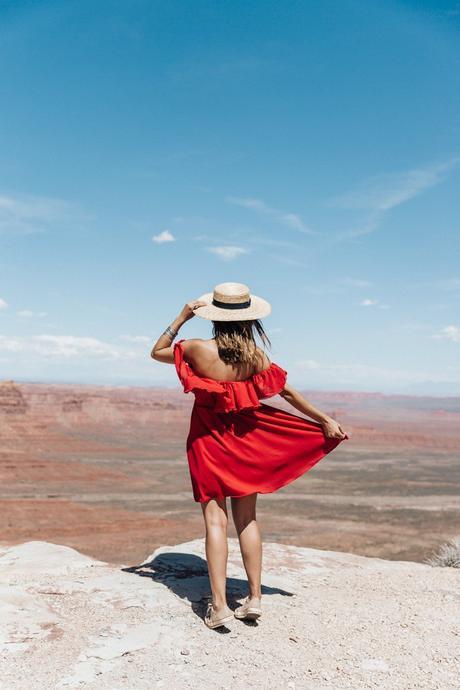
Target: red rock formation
[
  {"x": 11, "y": 399},
  {"x": 104, "y": 469}
]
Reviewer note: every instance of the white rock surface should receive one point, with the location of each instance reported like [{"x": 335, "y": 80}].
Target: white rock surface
[{"x": 330, "y": 621}]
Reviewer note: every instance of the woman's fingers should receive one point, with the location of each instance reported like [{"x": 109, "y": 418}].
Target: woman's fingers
[
  {"x": 341, "y": 431},
  {"x": 336, "y": 431}
]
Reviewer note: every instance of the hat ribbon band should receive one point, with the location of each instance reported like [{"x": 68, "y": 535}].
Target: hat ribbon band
[{"x": 232, "y": 305}]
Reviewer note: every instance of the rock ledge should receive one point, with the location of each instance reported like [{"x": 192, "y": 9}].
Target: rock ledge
[{"x": 330, "y": 621}]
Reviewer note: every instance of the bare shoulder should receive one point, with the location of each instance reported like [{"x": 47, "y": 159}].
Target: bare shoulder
[
  {"x": 196, "y": 347},
  {"x": 201, "y": 352}
]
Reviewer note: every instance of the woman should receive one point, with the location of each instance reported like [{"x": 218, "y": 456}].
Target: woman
[{"x": 237, "y": 446}]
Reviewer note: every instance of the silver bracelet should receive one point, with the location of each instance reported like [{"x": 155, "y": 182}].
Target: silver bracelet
[{"x": 169, "y": 331}]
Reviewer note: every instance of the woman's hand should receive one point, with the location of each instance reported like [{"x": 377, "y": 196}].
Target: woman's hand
[
  {"x": 332, "y": 429},
  {"x": 188, "y": 310},
  {"x": 163, "y": 350}
]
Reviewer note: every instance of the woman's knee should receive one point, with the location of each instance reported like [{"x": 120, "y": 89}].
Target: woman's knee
[
  {"x": 216, "y": 523},
  {"x": 215, "y": 516}
]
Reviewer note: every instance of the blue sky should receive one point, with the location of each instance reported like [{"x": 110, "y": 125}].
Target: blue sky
[{"x": 308, "y": 149}]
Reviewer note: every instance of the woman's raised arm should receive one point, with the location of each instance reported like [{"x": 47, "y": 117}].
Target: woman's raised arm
[
  {"x": 163, "y": 350},
  {"x": 331, "y": 428}
]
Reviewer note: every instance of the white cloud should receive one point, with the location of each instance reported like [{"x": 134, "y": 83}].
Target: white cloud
[
  {"x": 11, "y": 344},
  {"x": 25, "y": 214},
  {"x": 381, "y": 193},
  {"x": 295, "y": 221},
  {"x": 449, "y": 333},
  {"x": 227, "y": 252},
  {"x": 355, "y": 373},
  {"x": 3, "y": 304},
  {"x": 292, "y": 220},
  {"x": 373, "y": 303},
  {"x": 164, "y": 236},
  {"x": 368, "y": 302},
  {"x": 28, "y": 314},
  {"x": 66, "y": 346},
  {"x": 308, "y": 364}
]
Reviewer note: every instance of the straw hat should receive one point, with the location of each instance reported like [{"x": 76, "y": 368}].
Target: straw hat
[{"x": 232, "y": 302}]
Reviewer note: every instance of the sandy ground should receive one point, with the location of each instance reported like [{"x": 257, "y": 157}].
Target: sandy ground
[{"x": 330, "y": 621}]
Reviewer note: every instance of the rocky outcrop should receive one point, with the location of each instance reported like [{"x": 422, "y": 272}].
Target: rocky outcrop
[
  {"x": 331, "y": 621},
  {"x": 11, "y": 399}
]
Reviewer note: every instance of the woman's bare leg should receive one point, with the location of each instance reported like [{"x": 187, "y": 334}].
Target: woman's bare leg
[
  {"x": 244, "y": 517},
  {"x": 216, "y": 520}
]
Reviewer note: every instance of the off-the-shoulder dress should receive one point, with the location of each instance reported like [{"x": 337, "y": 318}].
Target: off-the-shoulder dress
[{"x": 238, "y": 445}]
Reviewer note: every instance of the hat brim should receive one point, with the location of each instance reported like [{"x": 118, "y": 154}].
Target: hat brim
[{"x": 258, "y": 309}]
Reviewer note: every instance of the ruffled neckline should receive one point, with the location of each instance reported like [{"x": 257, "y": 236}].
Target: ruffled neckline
[{"x": 230, "y": 395}]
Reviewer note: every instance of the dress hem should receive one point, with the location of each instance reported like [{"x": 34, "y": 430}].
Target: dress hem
[{"x": 267, "y": 491}]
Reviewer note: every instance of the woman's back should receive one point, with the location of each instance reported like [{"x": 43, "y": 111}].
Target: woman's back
[{"x": 203, "y": 356}]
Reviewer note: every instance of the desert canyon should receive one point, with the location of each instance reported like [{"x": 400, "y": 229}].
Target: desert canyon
[{"x": 104, "y": 470}]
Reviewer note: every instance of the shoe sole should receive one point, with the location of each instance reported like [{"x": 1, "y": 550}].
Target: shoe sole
[
  {"x": 219, "y": 623},
  {"x": 250, "y": 614}
]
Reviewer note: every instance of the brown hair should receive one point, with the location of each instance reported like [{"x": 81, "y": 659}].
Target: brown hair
[{"x": 236, "y": 343}]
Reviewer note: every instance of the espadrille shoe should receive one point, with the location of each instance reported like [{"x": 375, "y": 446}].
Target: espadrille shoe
[
  {"x": 215, "y": 619},
  {"x": 250, "y": 609}
]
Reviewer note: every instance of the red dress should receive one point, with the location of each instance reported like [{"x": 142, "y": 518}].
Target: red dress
[{"x": 237, "y": 445}]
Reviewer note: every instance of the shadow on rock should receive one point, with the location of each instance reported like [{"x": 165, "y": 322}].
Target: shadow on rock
[{"x": 186, "y": 575}]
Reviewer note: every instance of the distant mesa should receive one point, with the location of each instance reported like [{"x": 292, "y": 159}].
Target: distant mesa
[
  {"x": 72, "y": 405},
  {"x": 11, "y": 398}
]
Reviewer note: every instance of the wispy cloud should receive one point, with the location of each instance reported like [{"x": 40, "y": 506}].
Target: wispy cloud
[
  {"x": 355, "y": 373},
  {"x": 64, "y": 346},
  {"x": 164, "y": 236},
  {"x": 248, "y": 236},
  {"x": 227, "y": 252},
  {"x": 3, "y": 304},
  {"x": 368, "y": 302},
  {"x": 28, "y": 314},
  {"x": 449, "y": 284},
  {"x": 381, "y": 193},
  {"x": 24, "y": 215},
  {"x": 308, "y": 364},
  {"x": 384, "y": 192},
  {"x": 292, "y": 220},
  {"x": 449, "y": 333}
]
